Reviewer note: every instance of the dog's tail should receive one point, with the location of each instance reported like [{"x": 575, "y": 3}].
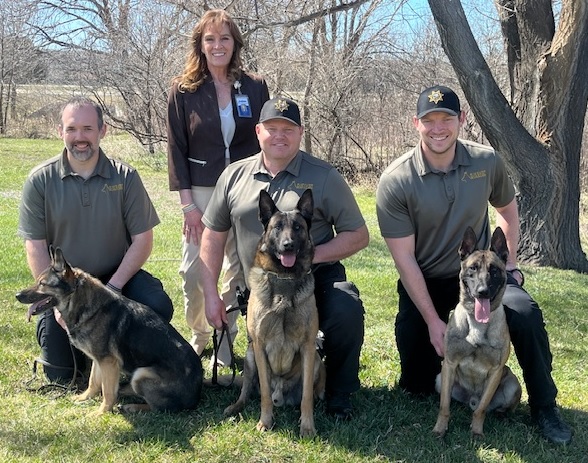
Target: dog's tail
[{"x": 474, "y": 402}]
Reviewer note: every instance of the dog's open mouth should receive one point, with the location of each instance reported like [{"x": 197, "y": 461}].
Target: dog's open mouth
[
  {"x": 482, "y": 310},
  {"x": 287, "y": 259},
  {"x": 40, "y": 306}
]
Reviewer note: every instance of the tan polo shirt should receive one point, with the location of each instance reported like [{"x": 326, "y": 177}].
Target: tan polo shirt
[
  {"x": 437, "y": 207},
  {"x": 235, "y": 201},
  {"x": 91, "y": 220}
]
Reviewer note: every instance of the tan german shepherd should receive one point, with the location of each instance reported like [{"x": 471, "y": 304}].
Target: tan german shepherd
[
  {"x": 477, "y": 341},
  {"x": 119, "y": 335},
  {"x": 282, "y": 317}
]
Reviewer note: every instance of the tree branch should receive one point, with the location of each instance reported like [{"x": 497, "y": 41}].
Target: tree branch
[
  {"x": 506, "y": 133},
  {"x": 512, "y": 41},
  {"x": 564, "y": 90}
]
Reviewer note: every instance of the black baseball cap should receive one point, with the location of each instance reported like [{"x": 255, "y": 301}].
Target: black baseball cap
[
  {"x": 280, "y": 108},
  {"x": 438, "y": 98}
]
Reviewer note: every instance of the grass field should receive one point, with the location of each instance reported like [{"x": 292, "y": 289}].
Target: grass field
[{"x": 388, "y": 425}]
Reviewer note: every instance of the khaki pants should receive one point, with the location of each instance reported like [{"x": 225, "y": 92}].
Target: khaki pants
[{"x": 232, "y": 276}]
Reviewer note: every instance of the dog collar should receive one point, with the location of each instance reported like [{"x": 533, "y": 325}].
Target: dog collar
[{"x": 279, "y": 276}]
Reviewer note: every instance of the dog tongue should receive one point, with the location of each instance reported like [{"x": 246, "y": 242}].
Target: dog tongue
[
  {"x": 288, "y": 259},
  {"x": 34, "y": 308},
  {"x": 31, "y": 311},
  {"x": 482, "y": 310}
]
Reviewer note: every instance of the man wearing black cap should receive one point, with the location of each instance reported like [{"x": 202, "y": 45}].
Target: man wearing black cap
[
  {"x": 338, "y": 231},
  {"x": 425, "y": 201}
]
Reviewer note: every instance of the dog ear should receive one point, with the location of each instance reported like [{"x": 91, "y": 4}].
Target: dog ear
[
  {"x": 498, "y": 244},
  {"x": 58, "y": 262},
  {"x": 306, "y": 206},
  {"x": 267, "y": 207},
  {"x": 468, "y": 243}
]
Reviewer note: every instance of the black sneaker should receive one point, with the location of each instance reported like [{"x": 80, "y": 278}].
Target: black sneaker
[
  {"x": 339, "y": 406},
  {"x": 551, "y": 425}
]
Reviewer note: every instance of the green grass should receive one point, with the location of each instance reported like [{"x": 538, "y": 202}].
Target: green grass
[{"x": 388, "y": 425}]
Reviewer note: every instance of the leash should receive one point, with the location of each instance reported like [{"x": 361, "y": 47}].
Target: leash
[
  {"x": 44, "y": 388},
  {"x": 216, "y": 345},
  {"x": 242, "y": 297}
]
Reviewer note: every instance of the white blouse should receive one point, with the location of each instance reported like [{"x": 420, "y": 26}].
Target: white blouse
[{"x": 228, "y": 129}]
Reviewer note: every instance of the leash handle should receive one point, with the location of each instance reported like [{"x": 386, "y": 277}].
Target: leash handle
[
  {"x": 242, "y": 297},
  {"x": 52, "y": 385},
  {"x": 216, "y": 345}
]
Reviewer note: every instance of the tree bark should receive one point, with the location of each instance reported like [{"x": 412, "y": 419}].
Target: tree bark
[{"x": 539, "y": 132}]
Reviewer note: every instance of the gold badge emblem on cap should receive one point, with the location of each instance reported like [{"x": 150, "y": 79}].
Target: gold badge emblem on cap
[
  {"x": 436, "y": 96},
  {"x": 281, "y": 105}
]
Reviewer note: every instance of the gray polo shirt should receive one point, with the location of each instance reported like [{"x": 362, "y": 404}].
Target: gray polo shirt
[
  {"x": 91, "y": 220},
  {"x": 235, "y": 201},
  {"x": 437, "y": 207}
]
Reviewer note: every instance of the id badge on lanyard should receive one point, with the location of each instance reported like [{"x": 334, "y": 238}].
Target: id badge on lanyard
[{"x": 243, "y": 106}]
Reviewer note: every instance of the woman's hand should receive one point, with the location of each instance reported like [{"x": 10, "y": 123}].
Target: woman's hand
[{"x": 193, "y": 226}]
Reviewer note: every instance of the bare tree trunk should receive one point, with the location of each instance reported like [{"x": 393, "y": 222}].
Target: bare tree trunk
[
  {"x": 312, "y": 59},
  {"x": 540, "y": 135},
  {"x": 3, "y": 110}
]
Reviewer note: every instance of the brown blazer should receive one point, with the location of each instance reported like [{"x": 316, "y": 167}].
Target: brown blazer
[{"x": 194, "y": 132}]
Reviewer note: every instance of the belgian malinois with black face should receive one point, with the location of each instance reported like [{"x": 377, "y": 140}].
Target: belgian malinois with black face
[
  {"x": 282, "y": 317},
  {"x": 119, "y": 335},
  {"x": 477, "y": 341}
]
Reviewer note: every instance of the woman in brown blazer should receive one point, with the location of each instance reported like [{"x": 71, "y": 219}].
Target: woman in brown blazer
[{"x": 213, "y": 107}]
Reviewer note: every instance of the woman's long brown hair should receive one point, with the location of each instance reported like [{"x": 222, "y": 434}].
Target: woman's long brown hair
[{"x": 196, "y": 68}]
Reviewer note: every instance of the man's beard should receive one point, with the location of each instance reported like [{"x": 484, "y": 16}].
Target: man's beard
[{"x": 81, "y": 155}]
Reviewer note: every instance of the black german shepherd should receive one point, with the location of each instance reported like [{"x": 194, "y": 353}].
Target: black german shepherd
[
  {"x": 119, "y": 335},
  {"x": 282, "y": 317},
  {"x": 477, "y": 341}
]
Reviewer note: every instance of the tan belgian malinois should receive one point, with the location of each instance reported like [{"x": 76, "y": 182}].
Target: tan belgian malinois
[
  {"x": 282, "y": 317},
  {"x": 477, "y": 341}
]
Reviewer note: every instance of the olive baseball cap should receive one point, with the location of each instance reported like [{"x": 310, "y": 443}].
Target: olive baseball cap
[
  {"x": 438, "y": 98},
  {"x": 280, "y": 108}
]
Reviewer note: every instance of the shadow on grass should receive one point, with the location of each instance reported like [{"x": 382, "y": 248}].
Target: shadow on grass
[
  {"x": 392, "y": 425},
  {"x": 388, "y": 425},
  {"x": 170, "y": 430},
  {"x": 179, "y": 430}
]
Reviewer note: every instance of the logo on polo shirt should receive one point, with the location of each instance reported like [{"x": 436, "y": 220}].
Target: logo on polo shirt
[
  {"x": 107, "y": 188},
  {"x": 473, "y": 175},
  {"x": 300, "y": 186}
]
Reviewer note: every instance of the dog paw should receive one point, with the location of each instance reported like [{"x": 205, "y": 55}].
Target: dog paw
[
  {"x": 477, "y": 436},
  {"x": 477, "y": 427},
  {"x": 135, "y": 408},
  {"x": 440, "y": 431},
  {"x": 82, "y": 397},
  {"x": 261, "y": 426},
  {"x": 87, "y": 394},
  {"x": 477, "y": 431},
  {"x": 97, "y": 413},
  {"x": 441, "y": 425},
  {"x": 307, "y": 432},
  {"x": 232, "y": 410},
  {"x": 440, "y": 434}
]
